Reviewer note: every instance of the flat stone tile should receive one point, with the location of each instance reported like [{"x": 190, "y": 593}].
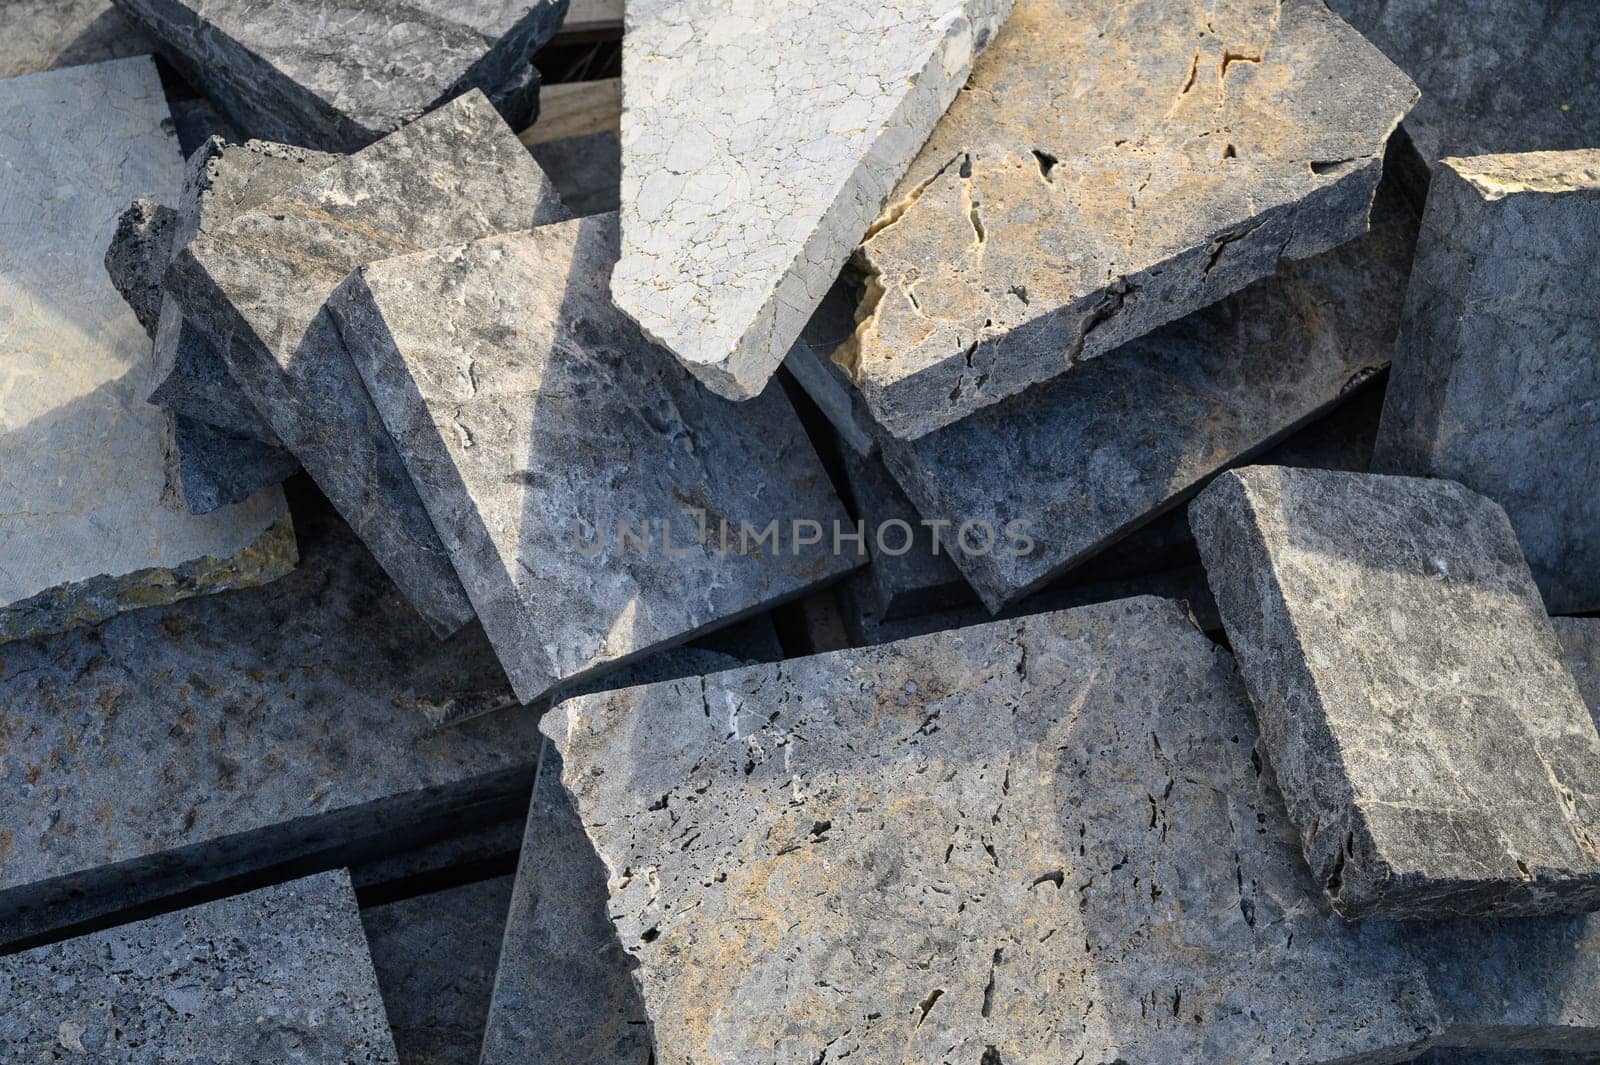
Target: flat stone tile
[
  {"x": 46, "y": 34},
  {"x": 85, "y": 535},
  {"x": 280, "y": 974},
  {"x": 255, "y": 287},
  {"x": 759, "y": 141},
  {"x": 338, "y": 76},
  {"x": 1435, "y": 754},
  {"x": 1110, "y": 167},
  {"x": 536, "y": 421},
  {"x": 1053, "y": 835},
  {"x": 1496, "y": 382}
]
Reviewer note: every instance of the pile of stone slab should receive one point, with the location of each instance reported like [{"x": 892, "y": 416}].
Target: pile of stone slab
[{"x": 993, "y": 531}]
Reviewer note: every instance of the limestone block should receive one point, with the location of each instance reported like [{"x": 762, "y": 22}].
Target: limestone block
[
  {"x": 255, "y": 288},
  {"x": 1434, "y": 752},
  {"x": 83, "y": 533},
  {"x": 536, "y": 421},
  {"x": 280, "y": 974},
  {"x": 45, "y": 34},
  {"x": 759, "y": 141},
  {"x": 1110, "y": 167},
  {"x": 340, "y": 75},
  {"x": 1021, "y": 842},
  {"x": 1496, "y": 382}
]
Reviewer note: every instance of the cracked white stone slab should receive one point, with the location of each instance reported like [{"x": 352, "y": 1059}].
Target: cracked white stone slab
[
  {"x": 83, "y": 534},
  {"x": 759, "y": 141}
]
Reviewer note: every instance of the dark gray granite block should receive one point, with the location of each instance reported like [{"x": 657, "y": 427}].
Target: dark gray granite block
[
  {"x": 256, "y": 288},
  {"x": 537, "y": 421},
  {"x": 138, "y": 255},
  {"x": 340, "y": 74},
  {"x": 1496, "y": 383},
  {"x": 1046, "y": 840},
  {"x": 1433, "y": 749},
  {"x": 278, "y": 975},
  {"x": 209, "y": 468}
]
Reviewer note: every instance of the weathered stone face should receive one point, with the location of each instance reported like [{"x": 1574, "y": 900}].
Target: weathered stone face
[
  {"x": 256, "y": 286},
  {"x": 1027, "y": 840},
  {"x": 1434, "y": 752},
  {"x": 1112, "y": 166},
  {"x": 46, "y": 34},
  {"x": 536, "y": 420},
  {"x": 280, "y": 974},
  {"x": 340, "y": 75},
  {"x": 758, "y": 143},
  {"x": 84, "y": 534},
  {"x": 1496, "y": 381}
]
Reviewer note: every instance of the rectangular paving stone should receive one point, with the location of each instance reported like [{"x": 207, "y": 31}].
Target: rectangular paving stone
[
  {"x": 1111, "y": 167},
  {"x": 536, "y": 420},
  {"x": 280, "y": 974},
  {"x": 853, "y": 856},
  {"x": 1436, "y": 757},
  {"x": 759, "y": 141},
  {"x": 1496, "y": 382},
  {"x": 256, "y": 286},
  {"x": 338, "y": 76},
  {"x": 84, "y": 534}
]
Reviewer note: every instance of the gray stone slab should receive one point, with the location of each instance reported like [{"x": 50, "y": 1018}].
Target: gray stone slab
[
  {"x": 855, "y": 857},
  {"x": 209, "y": 468},
  {"x": 281, "y": 975},
  {"x": 340, "y": 75},
  {"x": 1496, "y": 382},
  {"x": 759, "y": 141},
  {"x": 138, "y": 255},
  {"x": 256, "y": 286},
  {"x": 1085, "y": 460},
  {"x": 435, "y": 957},
  {"x": 174, "y": 749},
  {"x": 1110, "y": 167},
  {"x": 85, "y": 535},
  {"x": 536, "y": 421},
  {"x": 586, "y": 170},
  {"x": 1435, "y": 754},
  {"x": 45, "y": 34}
]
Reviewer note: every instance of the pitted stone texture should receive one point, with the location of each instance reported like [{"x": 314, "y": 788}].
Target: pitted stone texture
[
  {"x": 209, "y": 468},
  {"x": 435, "y": 957},
  {"x": 1496, "y": 381},
  {"x": 1021, "y": 842},
  {"x": 1110, "y": 167},
  {"x": 1434, "y": 752},
  {"x": 535, "y": 419},
  {"x": 138, "y": 256},
  {"x": 280, "y": 975},
  {"x": 564, "y": 991},
  {"x": 758, "y": 143},
  {"x": 256, "y": 286},
  {"x": 340, "y": 74},
  {"x": 1088, "y": 459},
  {"x": 46, "y": 34},
  {"x": 83, "y": 534},
  {"x": 209, "y": 739}
]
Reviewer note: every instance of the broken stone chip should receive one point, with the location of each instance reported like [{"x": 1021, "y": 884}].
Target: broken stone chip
[
  {"x": 537, "y": 422},
  {"x": 758, "y": 143},
  {"x": 1111, "y": 167},
  {"x": 1100, "y": 870},
  {"x": 138, "y": 255},
  {"x": 338, "y": 76},
  {"x": 280, "y": 974},
  {"x": 1433, "y": 750},
  {"x": 1496, "y": 382},
  {"x": 84, "y": 534},
  {"x": 256, "y": 287}
]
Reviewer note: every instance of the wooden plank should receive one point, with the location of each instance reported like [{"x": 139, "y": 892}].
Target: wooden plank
[
  {"x": 589, "y": 16},
  {"x": 576, "y": 108}
]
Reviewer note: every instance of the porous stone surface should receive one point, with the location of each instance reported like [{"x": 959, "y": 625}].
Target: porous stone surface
[
  {"x": 179, "y": 747},
  {"x": 208, "y": 468},
  {"x": 83, "y": 534},
  {"x": 1088, "y": 459},
  {"x": 435, "y": 957},
  {"x": 138, "y": 256},
  {"x": 256, "y": 286},
  {"x": 758, "y": 143},
  {"x": 586, "y": 170},
  {"x": 340, "y": 74},
  {"x": 45, "y": 34},
  {"x": 1110, "y": 167},
  {"x": 1496, "y": 382},
  {"x": 1022, "y": 842},
  {"x": 1433, "y": 750},
  {"x": 535, "y": 420},
  {"x": 280, "y": 974}
]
